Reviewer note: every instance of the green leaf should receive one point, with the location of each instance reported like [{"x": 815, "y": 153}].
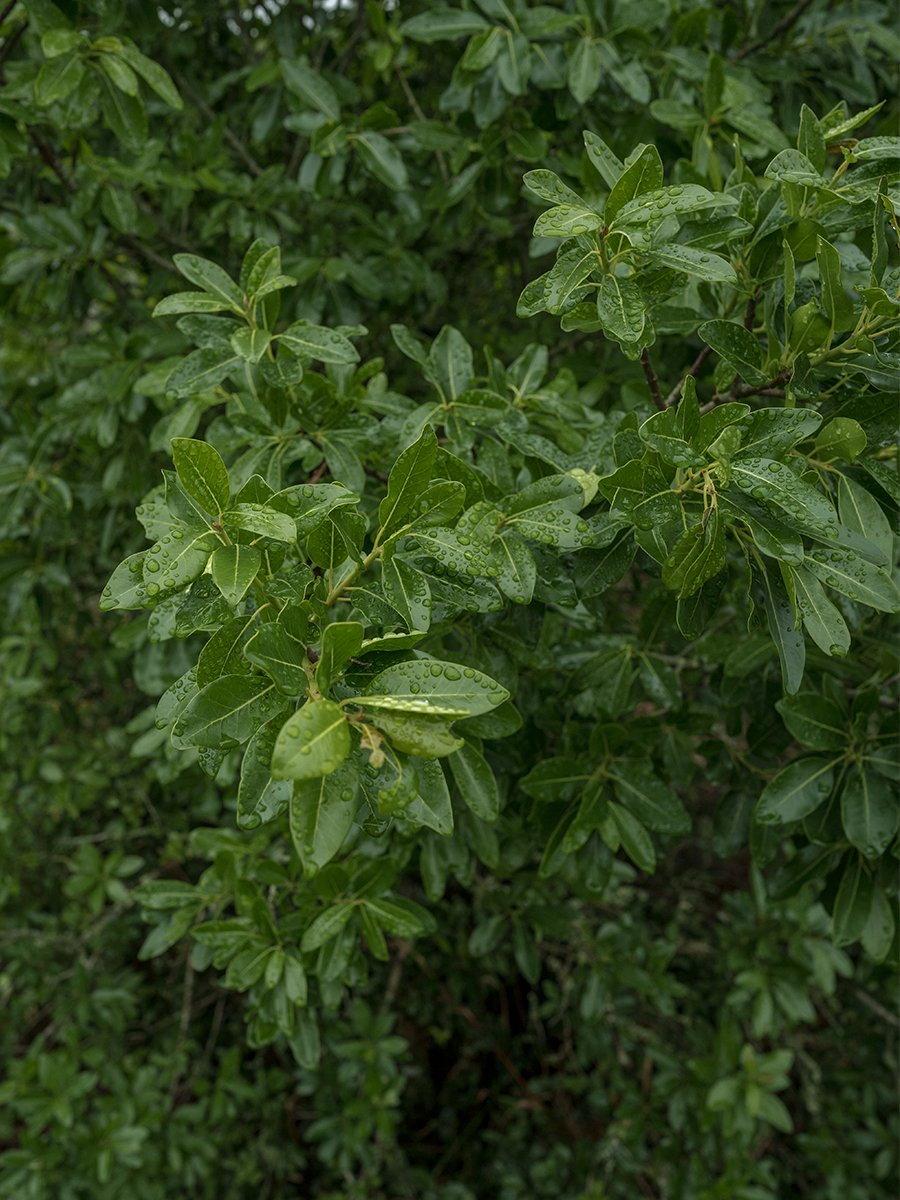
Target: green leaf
[
  {"x": 383, "y": 159},
  {"x": 841, "y": 438},
  {"x": 738, "y": 347},
  {"x": 409, "y": 476},
  {"x": 665, "y": 202},
  {"x": 785, "y": 633},
  {"x": 566, "y": 221},
  {"x": 228, "y": 710},
  {"x": 190, "y": 302},
  {"x": 869, "y": 812},
  {"x": 821, "y": 620},
  {"x": 420, "y": 734},
  {"x": 202, "y": 370},
  {"x": 280, "y": 649},
  {"x": 57, "y": 79},
  {"x": 315, "y": 341},
  {"x": 635, "y": 840},
  {"x": 321, "y": 815},
  {"x": 311, "y": 87},
  {"x": 261, "y": 798},
  {"x": 311, "y": 743},
  {"x": 441, "y": 23},
  {"x": 853, "y": 901},
  {"x": 585, "y": 65},
  {"x": 549, "y": 186},
  {"x": 450, "y": 363},
  {"x": 408, "y": 591},
  {"x": 181, "y": 558},
  {"x": 649, "y": 799},
  {"x": 796, "y": 791},
  {"x": 340, "y": 642},
  {"x": 814, "y": 721},
  {"x": 327, "y": 925},
  {"x": 476, "y": 782},
  {"x": 233, "y": 570},
  {"x": 697, "y": 556},
  {"x": 775, "y": 485},
  {"x": 701, "y": 263},
  {"x": 517, "y": 569},
  {"x": 431, "y": 807},
  {"x": 862, "y": 513},
  {"x": 837, "y": 304},
  {"x": 441, "y": 688},
  {"x": 202, "y": 473},
  {"x": 607, "y": 163},
  {"x": 621, "y": 308},
  {"x": 210, "y": 278},
  {"x": 262, "y": 520},
  {"x": 151, "y": 72},
  {"x": 855, "y": 577},
  {"x": 643, "y": 175},
  {"x": 126, "y": 588}
]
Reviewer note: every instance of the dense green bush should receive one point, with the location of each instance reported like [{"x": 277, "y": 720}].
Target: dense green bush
[{"x": 480, "y": 781}]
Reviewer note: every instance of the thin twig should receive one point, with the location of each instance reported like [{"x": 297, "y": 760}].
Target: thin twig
[
  {"x": 230, "y": 137},
  {"x": 878, "y": 1009},
  {"x": 777, "y": 30},
  {"x": 652, "y": 380},
  {"x": 694, "y": 369},
  {"x": 51, "y": 160},
  {"x": 417, "y": 109}
]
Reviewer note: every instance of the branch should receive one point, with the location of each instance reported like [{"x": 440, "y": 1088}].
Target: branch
[
  {"x": 694, "y": 370},
  {"x": 777, "y": 30},
  {"x": 740, "y": 391},
  {"x": 652, "y": 380}
]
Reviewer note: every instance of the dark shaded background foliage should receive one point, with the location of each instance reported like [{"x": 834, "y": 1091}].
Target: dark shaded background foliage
[{"x": 475, "y": 1062}]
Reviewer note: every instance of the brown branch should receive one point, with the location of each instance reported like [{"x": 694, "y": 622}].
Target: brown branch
[
  {"x": 652, "y": 380},
  {"x": 51, "y": 160},
  {"x": 694, "y": 369},
  {"x": 777, "y": 30},
  {"x": 742, "y": 390}
]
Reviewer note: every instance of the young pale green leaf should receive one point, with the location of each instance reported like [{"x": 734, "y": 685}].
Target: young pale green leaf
[
  {"x": 737, "y": 346},
  {"x": 796, "y": 791},
  {"x": 441, "y": 687},
  {"x": 476, "y": 782},
  {"x": 321, "y": 813},
  {"x": 190, "y": 302},
  {"x": 202, "y": 473},
  {"x": 549, "y": 186},
  {"x": 311, "y": 743},
  {"x": 869, "y": 812},
  {"x": 233, "y": 570}
]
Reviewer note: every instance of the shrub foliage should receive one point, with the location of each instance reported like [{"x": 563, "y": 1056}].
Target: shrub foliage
[{"x": 480, "y": 779}]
